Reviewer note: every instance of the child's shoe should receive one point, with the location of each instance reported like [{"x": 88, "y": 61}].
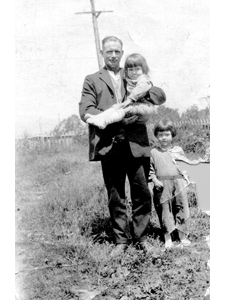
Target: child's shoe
[
  {"x": 169, "y": 244},
  {"x": 168, "y": 241},
  {"x": 96, "y": 120},
  {"x": 185, "y": 242}
]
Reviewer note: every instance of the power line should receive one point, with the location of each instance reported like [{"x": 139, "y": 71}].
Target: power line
[{"x": 95, "y": 15}]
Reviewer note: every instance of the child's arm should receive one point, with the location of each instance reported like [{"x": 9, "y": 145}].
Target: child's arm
[
  {"x": 139, "y": 91},
  {"x": 142, "y": 87},
  {"x": 152, "y": 176},
  {"x": 178, "y": 154}
]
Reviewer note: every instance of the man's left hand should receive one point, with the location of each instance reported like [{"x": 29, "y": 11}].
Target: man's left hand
[{"x": 129, "y": 120}]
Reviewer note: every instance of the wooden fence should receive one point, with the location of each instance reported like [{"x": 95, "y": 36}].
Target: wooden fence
[
  {"x": 47, "y": 141},
  {"x": 204, "y": 123},
  {"x": 67, "y": 139}
]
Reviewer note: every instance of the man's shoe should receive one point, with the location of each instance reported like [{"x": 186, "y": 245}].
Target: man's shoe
[
  {"x": 118, "y": 250},
  {"x": 144, "y": 246}
]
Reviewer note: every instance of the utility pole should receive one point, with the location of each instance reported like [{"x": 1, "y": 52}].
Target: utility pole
[{"x": 95, "y": 15}]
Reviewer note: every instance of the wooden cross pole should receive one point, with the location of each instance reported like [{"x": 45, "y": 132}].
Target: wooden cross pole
[{"x": 95, "y": 15}]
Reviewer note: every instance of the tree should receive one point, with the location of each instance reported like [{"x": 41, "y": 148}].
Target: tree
[
  {"x": 167, "y": 112},
  {"x": 204, "y": 113},
  {"x": 194, "y": 113},
  {"x": 190, "y": 113},
  {"x": 164, "y": 112},
  {"x": 71, "y": 124}
]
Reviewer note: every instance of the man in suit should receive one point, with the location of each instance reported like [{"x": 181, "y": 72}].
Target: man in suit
[{"x": 123, "y": 148}]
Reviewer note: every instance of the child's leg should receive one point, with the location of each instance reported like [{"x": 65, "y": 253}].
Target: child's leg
[
  {"x": 140, "y": 109},
  {"x": 163, "y": 205},
  {"x": 181, "y": 211},
  {"x": 168, "y": 240},
  {"x": 109, "y": 116}
]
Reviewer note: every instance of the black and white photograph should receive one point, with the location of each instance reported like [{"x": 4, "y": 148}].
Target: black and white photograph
[{"x": 112, "y": 150}]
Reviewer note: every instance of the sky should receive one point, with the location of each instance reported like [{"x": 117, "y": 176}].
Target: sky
[{"x": 55, "y": 50}]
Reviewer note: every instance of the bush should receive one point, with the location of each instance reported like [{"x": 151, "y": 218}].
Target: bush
[{"x": 193, "y": 139}]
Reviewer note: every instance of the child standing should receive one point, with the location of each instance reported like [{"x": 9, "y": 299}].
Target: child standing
[
  {"x": 138, "y": 84},
  {"x": 170, "y": 194}
]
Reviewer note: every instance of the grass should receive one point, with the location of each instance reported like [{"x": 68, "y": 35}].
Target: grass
[{"x": 64, "y": 231}]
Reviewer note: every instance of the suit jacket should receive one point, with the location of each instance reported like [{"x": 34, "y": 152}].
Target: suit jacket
[{"x": 98, "y": 95}]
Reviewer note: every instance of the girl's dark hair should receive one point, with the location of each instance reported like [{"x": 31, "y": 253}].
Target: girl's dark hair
[
  {"x": 164, "y": 125},
  {"x": 136, "y": 60}
]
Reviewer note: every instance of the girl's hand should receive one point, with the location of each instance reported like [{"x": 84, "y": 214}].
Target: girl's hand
[
  {"x": 158, "y": 184},
  {"x": 205, "y": 159},
  {"x": 126, "y": 103},
  {"x": 87, "y": 116}
]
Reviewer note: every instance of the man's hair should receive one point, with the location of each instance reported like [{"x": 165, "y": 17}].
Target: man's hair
[
  {"x": 164, "y": 125},
  {"x": 111, "y": 38},
  {"x": 136, "y": 60}
]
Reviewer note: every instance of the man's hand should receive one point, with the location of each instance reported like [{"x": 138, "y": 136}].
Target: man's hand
[
  {"x": 129, "y": 120},
  {"x": 143, "y": 119}
]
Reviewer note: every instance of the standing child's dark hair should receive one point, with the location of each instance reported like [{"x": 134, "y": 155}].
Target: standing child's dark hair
[
  {"x": 164, "y": 125},
  {"x": 136, "y": 60}
]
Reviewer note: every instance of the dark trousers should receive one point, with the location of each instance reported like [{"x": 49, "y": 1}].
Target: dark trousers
[{"x": 115, "y": 166}]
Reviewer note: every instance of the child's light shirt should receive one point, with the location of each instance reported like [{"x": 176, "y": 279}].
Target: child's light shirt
[
  {"x": 138, "y": 88},
  {"x": 163, "y": 162}
]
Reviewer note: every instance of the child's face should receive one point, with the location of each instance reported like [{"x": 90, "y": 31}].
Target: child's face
[
  {"x": 135, "y": 72},
  {"x": 165, "y": 138}
]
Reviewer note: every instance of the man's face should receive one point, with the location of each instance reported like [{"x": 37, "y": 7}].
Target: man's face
[{"x": 112, "y": 53}]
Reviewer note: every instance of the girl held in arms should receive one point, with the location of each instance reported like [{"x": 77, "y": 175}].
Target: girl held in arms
[{"x": 138, "y": 84}]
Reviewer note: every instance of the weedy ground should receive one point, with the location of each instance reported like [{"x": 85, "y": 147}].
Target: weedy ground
[{"x": 64, "y": 238}]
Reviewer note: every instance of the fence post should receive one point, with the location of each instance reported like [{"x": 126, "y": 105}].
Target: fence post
[{"x": 42, "y": 141}]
